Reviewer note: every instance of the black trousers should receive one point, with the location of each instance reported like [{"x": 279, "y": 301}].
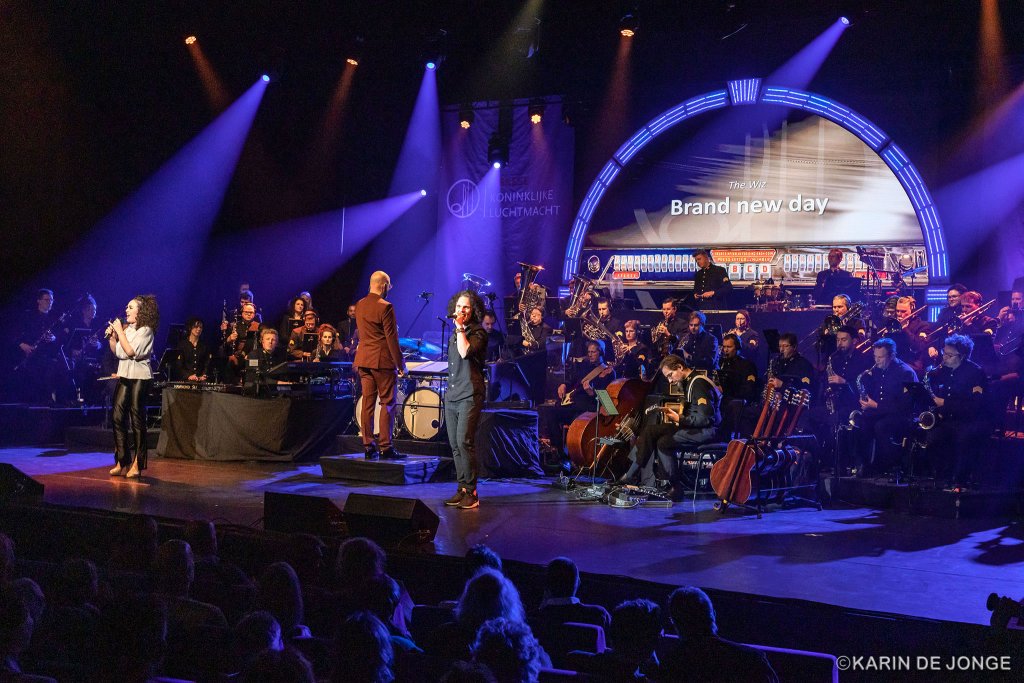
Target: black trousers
[
  {"x": 461, "y": 418},
  {"x": 663, "y": 440},
  {"x": 887, "y": 432},
  {"x": 954, "y": 446},
  {"x": 128, "y": 406}
]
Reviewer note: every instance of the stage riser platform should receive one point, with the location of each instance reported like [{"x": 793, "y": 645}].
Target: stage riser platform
[
  {"x": 350, "y": 443},
  {"x": 923, "y": 499},
  {"x": 413, "y": 469},
  {"x": 24, "y": 425}
]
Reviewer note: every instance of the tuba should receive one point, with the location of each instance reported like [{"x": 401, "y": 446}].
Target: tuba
[
  {"x": 580, "y": 294},
  {"x": 531, "y": 295}
]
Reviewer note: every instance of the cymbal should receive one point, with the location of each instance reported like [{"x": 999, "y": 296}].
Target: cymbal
[
  {"x": 475, "y": 282},
  {"x": 418, "y": 346}
]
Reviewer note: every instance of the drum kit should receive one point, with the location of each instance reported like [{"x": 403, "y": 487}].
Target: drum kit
[{"x": 419, "y": 402}]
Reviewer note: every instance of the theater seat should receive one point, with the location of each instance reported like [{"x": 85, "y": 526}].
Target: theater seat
[
  {"x": 789, "y": 664},
  {"x": 559, "y": 641},
  {"x": 556, "y": 675}
]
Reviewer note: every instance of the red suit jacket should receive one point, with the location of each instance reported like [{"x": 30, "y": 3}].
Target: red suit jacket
[{"x": 378, "y": 335}]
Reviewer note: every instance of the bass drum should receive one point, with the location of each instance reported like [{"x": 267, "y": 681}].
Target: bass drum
[
  {"x": 423, "y": 414},
  {"x": 396, "y": 415}
]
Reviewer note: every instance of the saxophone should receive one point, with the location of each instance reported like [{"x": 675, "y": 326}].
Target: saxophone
[
  {"x": 830, "y": 397},
  {"x": 928, "y": 418},
  {"x": 856, "y": 418}
]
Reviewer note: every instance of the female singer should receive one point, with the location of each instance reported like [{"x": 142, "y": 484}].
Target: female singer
[
  {"x": 751, "y": 346},
  {"x": 133, "y": 346},
  {"x": 328, "y": 346}
]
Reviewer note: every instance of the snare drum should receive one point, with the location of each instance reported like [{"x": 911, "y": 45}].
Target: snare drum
[{"x": 423, "y": 413}]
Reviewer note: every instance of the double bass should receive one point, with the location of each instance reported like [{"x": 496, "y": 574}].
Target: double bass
[{"x": 628, "y": 397}]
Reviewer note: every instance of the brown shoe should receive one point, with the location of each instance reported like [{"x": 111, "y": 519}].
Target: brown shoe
[
  {"x": 455, "y": 500},
  {"x": 469, "y": 500}
]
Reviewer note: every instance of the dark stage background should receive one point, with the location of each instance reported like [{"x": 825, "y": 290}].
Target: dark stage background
[{"x": 97, "y": 96}]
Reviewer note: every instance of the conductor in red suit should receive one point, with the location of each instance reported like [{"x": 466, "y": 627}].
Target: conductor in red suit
[{"x": 378, "y": 361}]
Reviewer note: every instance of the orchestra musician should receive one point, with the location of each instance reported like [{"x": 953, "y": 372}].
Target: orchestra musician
[
  {"x": 711, "y": 284},
  {"x": 539, "y": 332},
  {"x": 979, "y": 323},
  {"x": 133, "y": 346},
  {"x": 39, "y": 348},
  {"x": 842, "y": 369},
  {"x": 790, "y": 368},
  {"x": 379, "y": 360},
  {"x": 740, "y": 387},
  {"x": 495, "y": 339},
  {"x": 241, "y": 340},
  {"x": 751, "y": 345},
  {"x": 85, "y": 351},
  {"x": 292, "y": 319},
  {"x": 671, "y": 328},
  {"x": 586, "y": 376},
  {"x": 636, "y": 364},
  {"x": 958, "y": 388},
  {"x": 698, "y": 346},
  {"x": 247, "y": 297},
  {"x": 193, "y": 355},
  {"x": 912, "y": 337},
  {"x": 604, "y": 314},
  {"x": 834, "y": 279},
  {"x": 261, "y": 360},
  {"x": 296, "y": 348},
  {"x": 348, "y": 335},
  {"x": 464, "y": 399},
  {"x": 1008, "y": 344},
  {"x": 952, "y": 310},
  {"x": 328, "y": 346},
  {"x": 841, "y": 305},
  {"x": 698, "y": 424},
  {"x": 885, "y": 407}
]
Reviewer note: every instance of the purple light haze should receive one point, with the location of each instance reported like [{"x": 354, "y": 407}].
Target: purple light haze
[
  {"x": 153, "y": 239},
  {"x": 406, "y": 249}
]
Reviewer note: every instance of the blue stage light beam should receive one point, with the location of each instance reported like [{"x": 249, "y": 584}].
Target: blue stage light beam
[
  {"x": 406, "y": 249},
  {"x": 800, "y": 69},
  {"x": 153, "y": 240}
]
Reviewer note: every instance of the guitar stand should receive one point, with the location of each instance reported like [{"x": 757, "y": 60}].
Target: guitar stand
[{"x": 721, "y": 505}]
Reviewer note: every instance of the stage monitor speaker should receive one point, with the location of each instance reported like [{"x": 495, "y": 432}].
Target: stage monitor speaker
[
  {"x": 291, "y": 514},
  {"x": 15, "y": 484},
  {"x": 389, "y": 520}
]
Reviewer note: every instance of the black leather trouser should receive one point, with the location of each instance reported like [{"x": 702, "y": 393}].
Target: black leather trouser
[{"x": 128, "y": 405}]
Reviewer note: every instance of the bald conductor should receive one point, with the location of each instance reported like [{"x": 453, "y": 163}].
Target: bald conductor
[{"x": 378, "y": 360}]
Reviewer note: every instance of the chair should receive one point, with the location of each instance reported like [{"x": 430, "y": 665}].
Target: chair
[{"x": 560, "y": 640}]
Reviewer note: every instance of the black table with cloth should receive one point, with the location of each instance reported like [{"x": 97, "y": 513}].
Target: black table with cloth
[{"x": 220, "y": 426}]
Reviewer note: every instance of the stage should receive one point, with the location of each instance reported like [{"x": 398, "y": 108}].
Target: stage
[{"x": 850, "y": 556}]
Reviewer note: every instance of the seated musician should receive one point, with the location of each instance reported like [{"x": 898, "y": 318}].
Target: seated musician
[
  {"x": 328, "y": 347},
  {"x": 790, "y": 367},
  {"x": 495, "y": 339},
  {"x": 604, "y": 314},
  {"x": 246, "y": 296},
  {"x": 842, "y": 370},
  {"x": 671, "y": 328},
  {"x": 348, "y": 333},
  {"x": 587, "y": 375},
  {"x": 958, "y": 387},
  {"x": 912, "y": 338},
  {"x": 952, "y": 310},
  {"x": 827, "y": 332},
  {"x": 310, "y": 320},
  {"x": 293, "y": 318},
  {"x": 193, "y": 355},
  {"x": 84, "y": 350},
  {"x": 1009, "y": 347},
  {"x": 740, "y": 387},
  {"x": 636, "y": 364},
  {"x": 262, "y": 360},
  {"x": 751, "y": 345},
  {"x": 886, "y": 408},
  {"x": 977, "y": 323},
  {"x": 241, "y": 340},
  {"x": 698, "y": 424},
  {"x": 698, "y": 346}
]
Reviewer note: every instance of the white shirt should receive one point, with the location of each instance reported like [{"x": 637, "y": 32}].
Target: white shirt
[{"x": 138, "y": 367}]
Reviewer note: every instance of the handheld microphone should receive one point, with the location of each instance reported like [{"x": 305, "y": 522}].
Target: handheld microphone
[{"x": 110, "y": 329}]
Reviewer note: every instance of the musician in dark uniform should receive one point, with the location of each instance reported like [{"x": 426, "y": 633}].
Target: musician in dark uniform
[
  {"x": 697, "y": 425},
  {"x": 578, "y": 394},
  {"x": 958, "y": 387},
  {"x": 604, "y": 314},
  {"x": 699, "y": 347},
  {"x": 85, "y": 351},
  {"x": 495, "y": 339},
  {"x": 671, "y": 328},
  {"x": 711, "y": 284},
  {"x": 740, "y": 387},
  {"x": 752, "y": 346},
  {"x": 833, "y": 280},
  {"x": 912, "y": 337},
  {"x": 539, "y": 331},
  {"x": 636, "y": 364},
  {"x": 842, "y": 369},
  {"x": 790, "y": 368},
  {"x": 467, "y": 348},
  {"x": 40, "y": 373},
  {"x": 261, "y": 360},
  {"x": 310, "y": 323},
  {"x": 952, "y": 309},
  {"x": 193, "y": 355},
  {"x": 240, "y": 342},
  {"x": 886, "y": 407},
  {"x": 979, "y": 323},
  {"x": 841, "y": 307}
]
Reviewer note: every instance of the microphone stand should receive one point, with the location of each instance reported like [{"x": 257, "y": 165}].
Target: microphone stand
[
  {"x": 426, "y": 300},
  {"x": 444, "y": 337}
]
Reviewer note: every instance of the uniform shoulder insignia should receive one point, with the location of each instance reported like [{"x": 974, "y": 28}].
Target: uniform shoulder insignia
[
  {"x": 642, "y": 357},
  {"x": 751, "y": 378},
  {"x": 702, "y": 401},
  {"x": 978, "y": 390},
  {"x": 805, "y": 380}
]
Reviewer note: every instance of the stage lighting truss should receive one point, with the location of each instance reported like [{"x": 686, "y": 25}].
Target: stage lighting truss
[
  {"x": 466, "y": 117},
  {"x": 497, "y": 150},
  {"x": 536, "y": 110}
]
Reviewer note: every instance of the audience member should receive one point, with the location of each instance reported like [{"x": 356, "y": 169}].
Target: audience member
[
  {"x": 468, "y": 672},
  {"x": 15, "y": 635},
  {"x": 173, "y": 574},
  {"x": 281, "y": 595},
  {"x": 31, "y": 595},
  {"x": 560, "y": 604},
  {"x": 703, "y": 655},
  {"x": 633, "y": 636},
  {"x": 135, "y": 548},
  {"x": 362, "y": 651},
  {"x": 509, "y": 650},
  {"x": 381, "y": 598},
  {"x": 67, "y": 633},
  {"x": 255, "y": 632},
  {"x": 132, "y": 639},
  {"x": 475, "y": 559},
  {"x": 77, "y": 585},
  {"x": 359, "y": 561},
  {"x": 279, "y": 666},
  {"x": 217, "y": 582}
]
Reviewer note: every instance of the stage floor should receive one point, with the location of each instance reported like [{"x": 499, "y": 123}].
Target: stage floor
[{"x": 853, "y": 557}]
